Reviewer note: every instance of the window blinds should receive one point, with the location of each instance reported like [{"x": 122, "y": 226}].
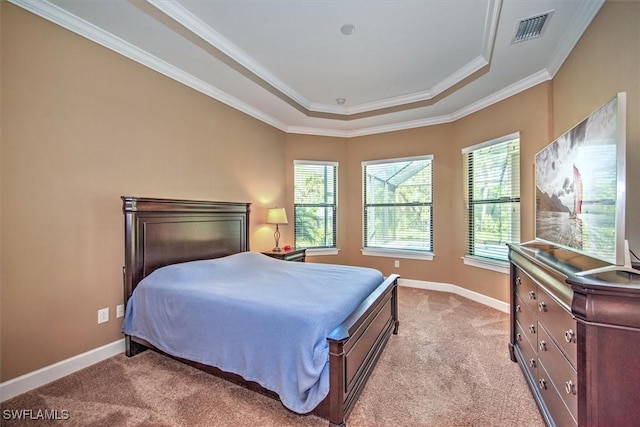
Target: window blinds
[
  {"x": 398, "y": 209},
  {"x": 492, "y": 197},
  {"x": 315, "y": 204}
]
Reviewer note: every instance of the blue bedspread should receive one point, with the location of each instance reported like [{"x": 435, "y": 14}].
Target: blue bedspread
[{"x": 252, "y": 315}]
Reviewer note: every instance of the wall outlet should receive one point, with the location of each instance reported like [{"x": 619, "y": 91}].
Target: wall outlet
[
  {"x": 103, "y": 315},
  {"x": 120, "y": 310},
  {"x": 396, "y": 264}
]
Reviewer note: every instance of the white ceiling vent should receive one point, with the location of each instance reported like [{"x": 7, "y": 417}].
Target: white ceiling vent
[{"x": 530, "y": 28}]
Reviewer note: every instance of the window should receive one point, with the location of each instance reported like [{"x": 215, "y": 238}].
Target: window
[
  {"x": 398, "y": 209},
  {"x": 315, "y": 204},
  {"x": 492, "y": 194}
]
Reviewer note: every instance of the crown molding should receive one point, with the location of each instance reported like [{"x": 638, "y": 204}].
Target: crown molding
[
  {"x": 302, "y": 130},
  {"x": 87, "y": 30},
  {"x": 491, "y": 28},
  {"x": 371, "y": 106},
  {"x": 588, "y": 10},
  {"x": 184, "y": 17},
  {"x": 373, "y": 130},
  {"x": 410, "y": 124},
  {"x": 511, "y": 90},
  {"x": 194, "y": 24},
  {"x": 514, "y": 89},
  {"x": 475, "y": 65},
  {"x": 61, "y": 17}
]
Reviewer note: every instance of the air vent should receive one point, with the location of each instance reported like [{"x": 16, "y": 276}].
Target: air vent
[{"x": 530, "y": 28}]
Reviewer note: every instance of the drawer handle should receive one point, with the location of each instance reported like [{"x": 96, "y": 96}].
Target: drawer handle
[
  {"x": 518, "y": 281},
  {"x": 532, "y": 295},
  {"x": 542, "y": 384},
  {"x": 532, "y": 329},
  {"x": 569, "y": 336},
  {"x": 518, "y": 308},
  {"x": 570, "y": 387},
  {"x": 542, "y": 306},
  {"x": 518, "y": 336},
  {"x": 542, "y": 346},
  {"x": 532, "y": 363}
]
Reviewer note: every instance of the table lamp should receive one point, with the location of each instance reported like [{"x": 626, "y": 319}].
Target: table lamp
[{"x": 277, "y": 216}]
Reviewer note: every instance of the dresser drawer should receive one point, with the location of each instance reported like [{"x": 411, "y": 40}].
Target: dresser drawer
[
  {"x": 559, "y": 323},
  {"x": 528, "y": 322},
  {"x": 559, "y": 412},
  {"x": 528, "y": 351},
  {"x": 562, "y": 374},
  {"x": 526, "y": 289}
]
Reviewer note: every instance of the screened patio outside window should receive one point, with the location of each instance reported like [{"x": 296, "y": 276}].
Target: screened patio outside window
[{"x": 398, "y": 209}]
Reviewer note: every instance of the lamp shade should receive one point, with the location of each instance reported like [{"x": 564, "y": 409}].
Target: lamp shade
[{"x": 277, "y": 216}]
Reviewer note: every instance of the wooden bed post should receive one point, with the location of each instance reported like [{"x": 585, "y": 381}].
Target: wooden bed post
[
  {"x": 336, "y": 379},
  {"x": 394, "y": 307}
]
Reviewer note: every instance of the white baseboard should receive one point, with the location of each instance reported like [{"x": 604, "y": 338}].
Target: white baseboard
[
  {"x": 26, "y": 382},
  {"x": 466, "y": 293}
]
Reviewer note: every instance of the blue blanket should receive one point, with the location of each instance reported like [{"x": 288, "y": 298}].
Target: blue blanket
[{"x": 252, "y": 315}]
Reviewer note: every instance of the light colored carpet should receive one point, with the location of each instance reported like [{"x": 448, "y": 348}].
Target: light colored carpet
[{"x": 449, "y": 366}]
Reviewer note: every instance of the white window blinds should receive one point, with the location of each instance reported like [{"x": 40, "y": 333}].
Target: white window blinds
[
  {"x": 315, "y": 204},
  {"x": 492, "y": 193},
  {"x": 398, "y": 205}
]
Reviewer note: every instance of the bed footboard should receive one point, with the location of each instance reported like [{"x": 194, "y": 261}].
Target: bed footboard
[{"x": 354, "y": 349}]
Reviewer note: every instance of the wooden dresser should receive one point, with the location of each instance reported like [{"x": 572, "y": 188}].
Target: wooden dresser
[{"x": 576, "y": 338}]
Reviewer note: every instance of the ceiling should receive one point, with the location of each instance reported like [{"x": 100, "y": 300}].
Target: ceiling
[{"x": 408, "y": 63}]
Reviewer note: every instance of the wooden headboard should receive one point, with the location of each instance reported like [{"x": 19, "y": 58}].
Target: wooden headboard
[{"x": 160, "y": 232}]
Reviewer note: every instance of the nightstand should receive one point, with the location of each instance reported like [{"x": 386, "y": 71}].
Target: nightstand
[{"x": 297, "y": 255}]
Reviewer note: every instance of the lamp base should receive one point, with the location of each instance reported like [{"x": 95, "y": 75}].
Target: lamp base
[{"x": 276, "y": 237}]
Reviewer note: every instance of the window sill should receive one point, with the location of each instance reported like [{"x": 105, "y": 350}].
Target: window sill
[
  {"x": 322, "y": 252},
  {"x": 498, "y": 266},
  {"x": 424, "y": 256}
]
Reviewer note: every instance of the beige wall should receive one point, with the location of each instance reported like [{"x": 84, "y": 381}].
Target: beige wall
[
  {"x": 320, "y": 148},
  {"x": 83, "y": 126},
  {"x": 606, "y": 61},
  {"x": 432, "y": 140},
  {"x": 527, "y": 113}
]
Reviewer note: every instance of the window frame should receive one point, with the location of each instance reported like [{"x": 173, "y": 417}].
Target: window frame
[
  {"x": 387, "y": 252},
  {"x": 319, "y": 250},
  {"x": 469, "y": 258}
]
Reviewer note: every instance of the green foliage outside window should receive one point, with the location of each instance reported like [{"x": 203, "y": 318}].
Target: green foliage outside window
[
  {"x": 493, "y": 199},
  {"x": 315, "y": 205}
]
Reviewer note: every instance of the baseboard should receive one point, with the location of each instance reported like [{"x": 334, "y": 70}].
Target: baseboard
[
  {"x": 26, "y": 382},
  {"x": 466, "y": 293}
]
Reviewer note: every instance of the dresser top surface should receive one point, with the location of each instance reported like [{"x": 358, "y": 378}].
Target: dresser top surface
[{"x": 571, "y": 264}]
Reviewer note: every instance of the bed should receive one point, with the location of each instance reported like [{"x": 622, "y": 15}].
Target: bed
[{"x": 165, "y": 232}]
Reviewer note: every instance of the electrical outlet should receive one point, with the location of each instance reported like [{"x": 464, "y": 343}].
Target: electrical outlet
[
  {"x": 120, "y": 310},
  {"x": 396, "y": 264},
  {"x": 103, "y": 315}
]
